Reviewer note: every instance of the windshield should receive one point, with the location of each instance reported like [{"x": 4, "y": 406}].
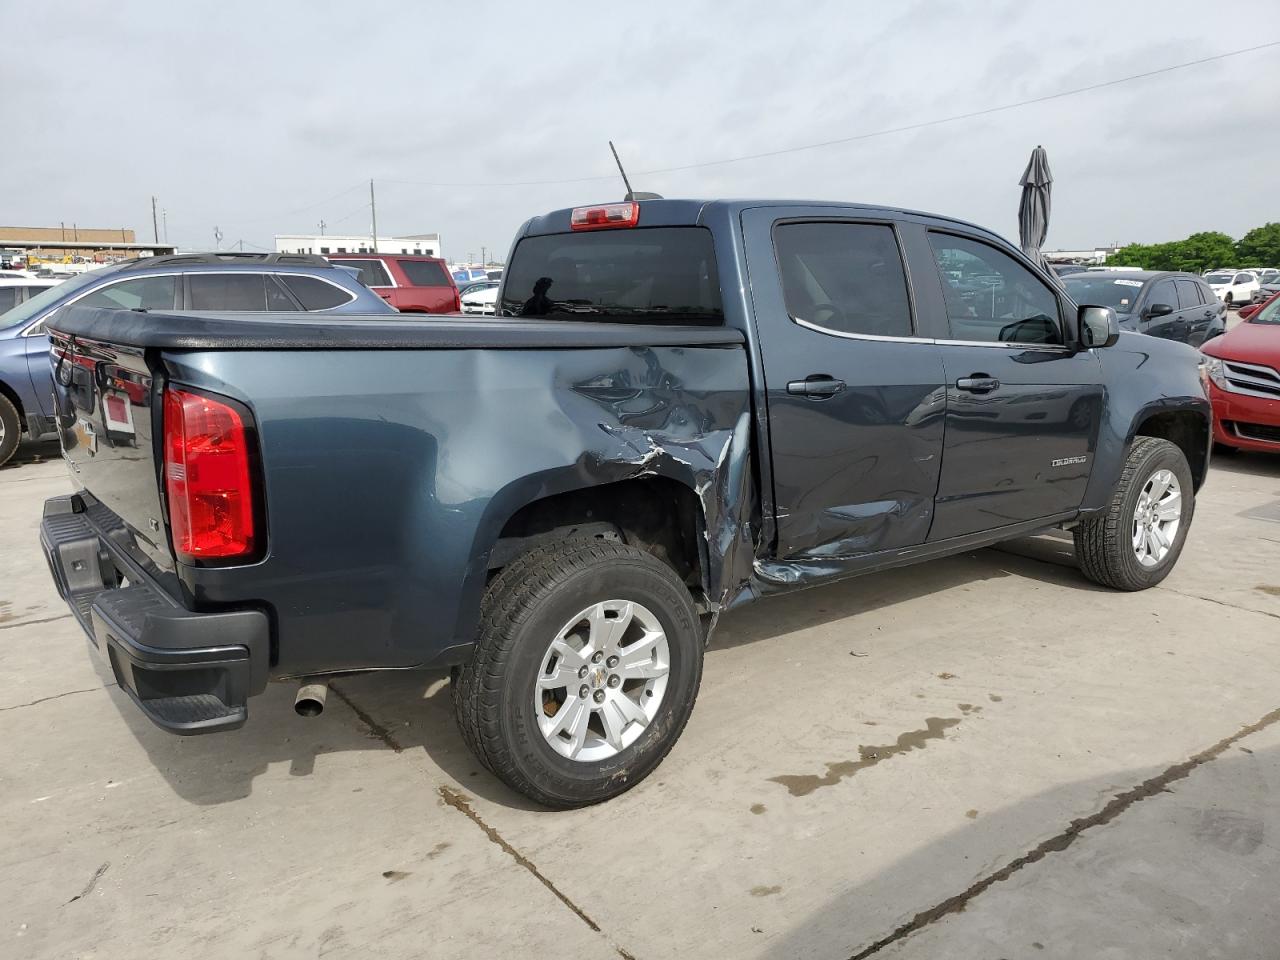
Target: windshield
[
  {"x": 653, "y": 275},
  {"x": 1119, "y": 293},
  {"x": 1268, "y": 314},
  {"x": 24, "y": 313},
  {"x": 1219, "y": 278}
]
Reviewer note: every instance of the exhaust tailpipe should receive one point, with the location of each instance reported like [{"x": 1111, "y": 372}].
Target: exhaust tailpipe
[{"x": 310, "y": 699}]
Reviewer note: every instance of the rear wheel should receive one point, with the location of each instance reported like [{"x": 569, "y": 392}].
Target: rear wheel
[
  {"x": 587, "y": 664},
  {"x": 1135, "y": 543},
  {"x": 10, "y": 429}
]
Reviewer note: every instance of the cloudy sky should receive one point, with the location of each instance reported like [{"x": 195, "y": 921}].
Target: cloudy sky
[{"x": 265, "y": 118}]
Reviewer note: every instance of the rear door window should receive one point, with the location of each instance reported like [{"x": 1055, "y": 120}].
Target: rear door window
[
  {"x": 646, "y": 275},
  {"x": 8, "y": 297},
  {"x": 844, "y": 277},
  {"x": 425, "y": 273},
  {"x": 314, "y": 293},
  {"x": 227, "y": 291},
  {"x": 140, "y": 293},
  {"x": 1188, "y": 294},
  {"x": 372, "y": 272}
]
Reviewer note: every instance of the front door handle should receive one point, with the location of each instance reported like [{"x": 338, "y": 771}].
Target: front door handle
[
  {"x": 817, "y": 386},
  {"x": 978, "y": 383}
]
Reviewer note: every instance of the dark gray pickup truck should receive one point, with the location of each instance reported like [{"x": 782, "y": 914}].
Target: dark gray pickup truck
[{"x": 682, "y": 406}]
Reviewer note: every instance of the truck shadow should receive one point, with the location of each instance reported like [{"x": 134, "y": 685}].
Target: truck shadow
[
  {"x": 407, "y": 711},
  {"x": 33, "y": 451},
  {"x": 1114, "y": 864}
]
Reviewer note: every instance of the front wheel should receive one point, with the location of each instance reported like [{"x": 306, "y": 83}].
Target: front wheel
[
  {"x": 587, "y": 663},
  {"x": 1135, "y": 543}
]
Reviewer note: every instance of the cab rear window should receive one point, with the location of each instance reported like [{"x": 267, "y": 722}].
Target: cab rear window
[{"x": 653, "y": 275}]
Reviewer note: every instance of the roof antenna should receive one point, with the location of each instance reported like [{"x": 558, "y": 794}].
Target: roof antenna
[{"x": 631, "y": 194}]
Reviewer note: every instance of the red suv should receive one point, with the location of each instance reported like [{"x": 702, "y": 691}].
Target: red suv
[{"x": 410, "y": 284}]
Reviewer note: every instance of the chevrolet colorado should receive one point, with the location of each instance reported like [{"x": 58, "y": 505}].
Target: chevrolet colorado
[{"x": 680, "y": 407}]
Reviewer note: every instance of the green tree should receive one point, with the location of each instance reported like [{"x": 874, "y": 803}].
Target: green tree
[
  {"x": 1260, "y": 247},
  {"x": 1197, "y": 253}
]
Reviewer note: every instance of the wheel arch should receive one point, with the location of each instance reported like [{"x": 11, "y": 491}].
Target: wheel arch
[
  {"x": 1188, "y": 429},
  {"x": 659, "y": 512}
]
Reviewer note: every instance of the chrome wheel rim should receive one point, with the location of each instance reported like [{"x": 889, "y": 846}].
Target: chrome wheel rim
[
  {"x": 1156, "y": 518},
  {"x": 602, "y": 680}
]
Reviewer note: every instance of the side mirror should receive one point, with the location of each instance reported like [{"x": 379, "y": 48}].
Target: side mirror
[
  {"x": 1099, "y": 327},
  {"x": 1158, "y": 310},
  {"x": 1244, "y": 313}
]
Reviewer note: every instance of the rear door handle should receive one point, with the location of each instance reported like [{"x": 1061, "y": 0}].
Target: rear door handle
[
  {"x": 978, "y": 383},
  {"x": 816, "y": 385}
]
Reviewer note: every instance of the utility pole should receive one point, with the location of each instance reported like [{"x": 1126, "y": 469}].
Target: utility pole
[
  {"x": 484, "y": 257},
  {"x": 322, "y": 226},
  {"x": 155, "y": 224},
  {"x": 164, "y": 223},
  {"x": 373, "y": 209}
]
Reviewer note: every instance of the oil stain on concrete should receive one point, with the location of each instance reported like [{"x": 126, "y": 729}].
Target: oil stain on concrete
[{"x": 801, "y": 785}]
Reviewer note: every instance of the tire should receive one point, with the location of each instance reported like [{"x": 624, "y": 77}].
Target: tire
[
  {"x": 1227, "y": 300},
  {"x": 10, "y": 429},
  {"x": 531, "y": 603},
  {"x": 1105, "y": 547}
]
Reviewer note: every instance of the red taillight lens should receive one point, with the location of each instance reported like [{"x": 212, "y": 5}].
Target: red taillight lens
[
  {"x": 605, "y": 217},
  {"x": 208, "y": 478}
]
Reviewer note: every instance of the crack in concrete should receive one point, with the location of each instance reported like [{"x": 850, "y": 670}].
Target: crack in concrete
[
  {"x": 374, "y": 727},
  {"x": 1221, "y": 603},
  {"x": 56, "y": 696},
  {"x": 32, "y": 623},
  {"x": 1056, "y": 844},
  {"x": 460, "y": 803},
  {"x": 93, "y": 882}
]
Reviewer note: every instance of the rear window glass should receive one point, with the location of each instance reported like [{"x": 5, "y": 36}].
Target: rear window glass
[
  {"x": 655, "y": 275},
  {"x": 314, "y": 293},
  {"x": 372, "y": 272},
  {"x": 425, "y": 273}
]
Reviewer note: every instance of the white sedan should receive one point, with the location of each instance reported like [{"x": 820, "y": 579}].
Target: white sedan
[
  {"x": 483, "y": 300},
  {"x": 1233, "y": 287}
]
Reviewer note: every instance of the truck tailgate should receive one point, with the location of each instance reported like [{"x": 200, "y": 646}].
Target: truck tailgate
[{"x": 104, "y": 395}]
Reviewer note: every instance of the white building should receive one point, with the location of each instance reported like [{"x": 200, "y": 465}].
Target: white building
[
  {"x": 1096, "y": 255},
  {"x": 418, "y": 244}
]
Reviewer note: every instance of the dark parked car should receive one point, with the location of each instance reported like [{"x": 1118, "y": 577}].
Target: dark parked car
[
  {"x": 1175, "y": 306},
  {"x": 684, "y": 406},
  {"x": 204, "y": 281}
]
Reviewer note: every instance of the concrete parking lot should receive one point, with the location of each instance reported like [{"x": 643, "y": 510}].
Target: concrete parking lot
[{"x": 979, "y": 757}]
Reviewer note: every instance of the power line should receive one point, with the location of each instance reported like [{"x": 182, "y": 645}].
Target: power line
[{"x": 887, "y": 131}]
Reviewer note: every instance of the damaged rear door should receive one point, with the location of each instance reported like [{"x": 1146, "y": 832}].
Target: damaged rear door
[{"x": 855, "y": 391}]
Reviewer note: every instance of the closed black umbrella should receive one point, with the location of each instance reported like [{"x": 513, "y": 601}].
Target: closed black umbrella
[{"x": 1033, "y": 208}]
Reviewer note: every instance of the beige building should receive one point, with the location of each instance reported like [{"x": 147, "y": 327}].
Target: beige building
[{"x": 69, "y": 241}]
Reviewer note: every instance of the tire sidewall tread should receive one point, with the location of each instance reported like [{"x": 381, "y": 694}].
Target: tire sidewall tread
[
  {"x": 1104, "y": 542},
  {"x": 522, "y": 609}
]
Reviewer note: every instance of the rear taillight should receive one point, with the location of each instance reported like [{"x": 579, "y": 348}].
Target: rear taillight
[
  {"x": 208, "y": 478},
  {"x": 605, "y": 217}
]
